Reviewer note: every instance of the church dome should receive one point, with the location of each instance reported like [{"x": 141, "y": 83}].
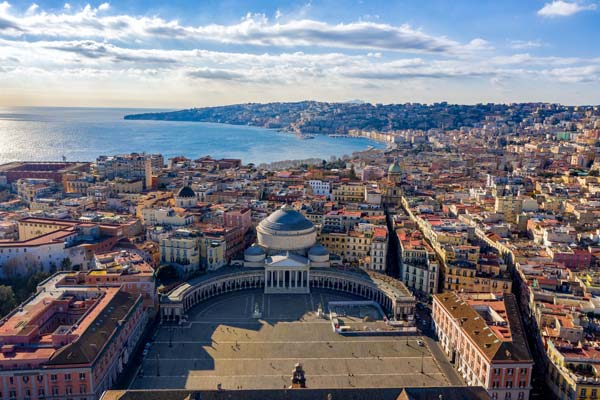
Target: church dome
[
  {"x": 254, "y": 254},
  {"x": 286, "y": 230},
  {"x": 318, "y": 250},
  {"x": 286, "y": 219},
  {"x": 395, "y": 168},
  {"x": 186, "y": 191},
  {"x": 254, "y": 250}
]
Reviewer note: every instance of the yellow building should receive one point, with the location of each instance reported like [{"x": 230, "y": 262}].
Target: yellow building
[
  {"x": 351, "y": 192},
  {"x": 510, "y": 206},
  {"x": 182, "y": 249},
  {"x": 463, "y": 276},
  {"x": 571, "y": 375}
]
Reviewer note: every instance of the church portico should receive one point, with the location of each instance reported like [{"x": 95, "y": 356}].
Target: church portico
[
  {"x": 286, "y": 281},
  {"x": 287, "y": 273}
]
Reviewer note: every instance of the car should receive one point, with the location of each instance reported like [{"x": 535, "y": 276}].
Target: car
[
  {"x": 420, "y": 343},
  {"x": 148, "y": 345},
  {"x": 145, "y": 352}
]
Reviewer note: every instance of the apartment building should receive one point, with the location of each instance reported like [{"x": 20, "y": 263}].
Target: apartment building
[
  {"x": 69, "y": 341},
  {"x": 483, "y": 337}
]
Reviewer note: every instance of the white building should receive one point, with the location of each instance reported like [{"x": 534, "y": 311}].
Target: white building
[{"x": 320, "y": 188}]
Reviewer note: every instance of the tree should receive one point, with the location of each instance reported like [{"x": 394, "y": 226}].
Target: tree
[
  {"x": 166, "y": 273},
  {"x": 65, "y": 264},
  {"x": 352, "y": 173},
  {"x": 7, "y": 300},
  {"x": 35, "y": 279}
]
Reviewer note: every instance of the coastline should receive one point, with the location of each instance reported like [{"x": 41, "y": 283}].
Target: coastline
[{"x": 83, "y": 134}]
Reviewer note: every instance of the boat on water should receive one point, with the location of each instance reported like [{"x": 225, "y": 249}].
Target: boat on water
[
  {"x": 306, "y": 136},
  {"x": 338, "y": 135}
]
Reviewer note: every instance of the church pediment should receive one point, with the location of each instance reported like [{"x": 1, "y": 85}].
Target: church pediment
[{"x": 288, "y": 260}]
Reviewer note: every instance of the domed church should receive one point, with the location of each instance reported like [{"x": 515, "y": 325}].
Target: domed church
[
  {"x": 185, "y": 198},
  {"x": 287, "y": 248}
]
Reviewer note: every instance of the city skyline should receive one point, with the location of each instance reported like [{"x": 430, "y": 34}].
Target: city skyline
[{"x": 181, "y": 55}]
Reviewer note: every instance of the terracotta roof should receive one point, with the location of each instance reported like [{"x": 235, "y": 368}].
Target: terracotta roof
[
  {"x": 490, "y": 344},
  {"x": 90, "y": 344}
]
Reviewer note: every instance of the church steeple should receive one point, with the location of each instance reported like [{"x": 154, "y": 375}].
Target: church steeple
[{"x": 395, "y": 172}]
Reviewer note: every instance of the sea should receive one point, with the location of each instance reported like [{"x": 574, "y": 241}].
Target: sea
[{"x": 82, "y": 134}]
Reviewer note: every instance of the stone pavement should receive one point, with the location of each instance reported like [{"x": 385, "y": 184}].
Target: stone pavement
[{"x": 223, "y": 344}]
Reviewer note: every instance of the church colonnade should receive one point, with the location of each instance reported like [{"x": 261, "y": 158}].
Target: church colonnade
[{"x": 173, "y": 309}]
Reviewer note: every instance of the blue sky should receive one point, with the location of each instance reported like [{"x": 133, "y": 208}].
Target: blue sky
[{"x": 183, "y": 53}]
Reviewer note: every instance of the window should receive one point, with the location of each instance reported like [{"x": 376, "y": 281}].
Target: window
[
  {"x": 82, "y": 389},
  {"x": 41, "y": 392},
  {"x": 521, "y": 395},
  {"x": 53, "y": 378},
  {"x": 67, "y": 377},
  {"x": 82, "y": 376},
  {"x": 12, "y": 394},
  {"x": 510, "y": 371},
  {"x": 55, "y": 391},
  {"x": 583, "y": 392},
  {"x": 69, "y": 390},
  {"x": 11, "y": 380}
]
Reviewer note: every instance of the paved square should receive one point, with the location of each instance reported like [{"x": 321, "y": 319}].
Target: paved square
[{"x": 223, "y": 344}]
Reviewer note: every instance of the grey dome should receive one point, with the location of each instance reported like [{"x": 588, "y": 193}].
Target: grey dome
[
  {"x": 395, "y": 168},
  {"x": 286, "y": 219},
  {"x": 186, "y": 191},
  {"x": 254, "y": 250},
  {"x": 318, "y": 250}
]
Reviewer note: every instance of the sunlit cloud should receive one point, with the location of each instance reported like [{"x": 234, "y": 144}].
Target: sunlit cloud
[{"x": 560, "y": 8}]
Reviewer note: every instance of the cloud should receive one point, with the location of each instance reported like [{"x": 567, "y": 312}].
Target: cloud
[
  {"x": 209, "y": 73},
  {"x": 560, "y": 8},
  {"x": 32, "y": 9},
  {"x": 525, "y": 44},
  {"x": 253, "y": 29},
  {"x": 67, "y": 6},
  {"x": 95, "y": 50}
]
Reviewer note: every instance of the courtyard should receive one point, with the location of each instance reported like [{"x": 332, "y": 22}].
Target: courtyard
[{"x": 223, "y": 344}]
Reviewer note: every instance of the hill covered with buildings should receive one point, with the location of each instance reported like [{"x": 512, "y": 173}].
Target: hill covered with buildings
[{"x": 340, "y": 118}]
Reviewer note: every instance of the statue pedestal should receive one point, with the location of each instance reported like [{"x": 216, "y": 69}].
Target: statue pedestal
[{"x": 256, "y": 314}]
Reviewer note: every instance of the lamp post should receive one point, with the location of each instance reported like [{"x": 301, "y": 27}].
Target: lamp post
[
  {"x": 157, "y": 365},
  {"x": 422, "y": 356},
  {"x": 170, "y": 337}
]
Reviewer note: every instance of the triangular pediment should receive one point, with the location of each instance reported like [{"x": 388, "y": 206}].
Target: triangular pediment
[{"x": 288, "y": 260}]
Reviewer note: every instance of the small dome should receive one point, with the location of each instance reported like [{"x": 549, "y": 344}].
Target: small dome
[
  {"x": 286, "y": 219},
  {"x": 318, "y": 250},
  {"x": 395, "y": 168},
  {"x": 254, "y": 250},
  {"x": 186, "y": 191}
]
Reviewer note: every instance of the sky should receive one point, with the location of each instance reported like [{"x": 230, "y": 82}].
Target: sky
[{"x": 180, "y": 54}]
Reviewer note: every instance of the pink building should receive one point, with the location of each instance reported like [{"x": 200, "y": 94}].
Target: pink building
[
  {"x": 574, "y": 259},
  {"x": 483, "y": 337},
  {"x": 241, "y": 218},
  {"x": 68, "y": 342}
]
